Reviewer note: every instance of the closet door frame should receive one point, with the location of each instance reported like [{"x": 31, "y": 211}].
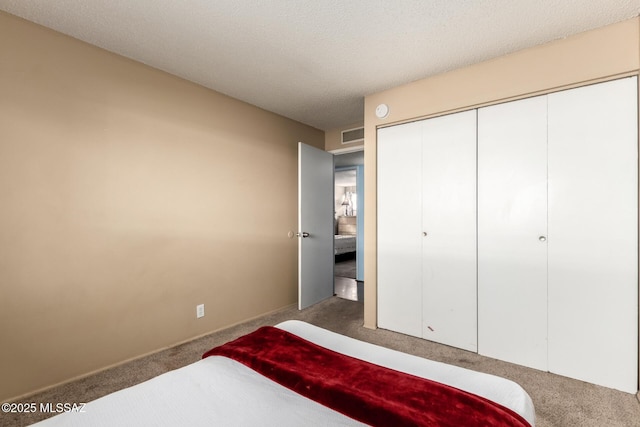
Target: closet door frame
[{"x": 529, "y": 324}]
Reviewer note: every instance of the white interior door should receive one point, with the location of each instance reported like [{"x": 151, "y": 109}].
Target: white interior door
[
  {"x": 512, "y": 229},
  {"x": 449, "y": 294},
  {"x": 315, "y": 225},
  {"x": 399, "y": 228},
  {"x": 593, "y": 246}
]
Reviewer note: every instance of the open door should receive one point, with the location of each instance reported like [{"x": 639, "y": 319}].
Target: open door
[{"x": 315, "y": 225}]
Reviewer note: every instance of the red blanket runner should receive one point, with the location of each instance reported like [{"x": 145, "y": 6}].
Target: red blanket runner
[{"x": 364, "y": 391}]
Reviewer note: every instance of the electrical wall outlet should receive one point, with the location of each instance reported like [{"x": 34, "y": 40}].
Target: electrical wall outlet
[{"x": 200, "y": 310}]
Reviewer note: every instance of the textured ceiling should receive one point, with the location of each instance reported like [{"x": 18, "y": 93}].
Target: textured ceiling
[{"x": 315, "y": 60}]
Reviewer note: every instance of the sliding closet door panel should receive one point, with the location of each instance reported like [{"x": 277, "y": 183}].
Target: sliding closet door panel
[
  {"x": 512, "y": 228},
  {"x": 399, "y": 228},
  {"x": 593, "y": 203},
  {"x": 449, "y": 221}
]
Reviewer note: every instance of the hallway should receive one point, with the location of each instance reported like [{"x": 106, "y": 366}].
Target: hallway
[{"x": 346, "y": 285}]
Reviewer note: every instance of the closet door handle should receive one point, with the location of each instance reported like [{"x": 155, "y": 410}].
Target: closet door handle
[
  {"x": 424, "y": 234},
  {"x": 542, "y": 238}
]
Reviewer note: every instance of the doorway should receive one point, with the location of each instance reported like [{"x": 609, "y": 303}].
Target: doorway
[{"x": 349, "y": 225}]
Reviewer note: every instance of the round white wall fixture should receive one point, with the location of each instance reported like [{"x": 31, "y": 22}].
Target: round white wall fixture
[{"x": 382, "y": 111}]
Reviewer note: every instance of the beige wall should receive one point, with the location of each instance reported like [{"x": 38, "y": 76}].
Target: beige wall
[
  {"x": 601, "y": 54},
  {"x": 333, "y": 139},
  {"x": 128, "y": 196}
]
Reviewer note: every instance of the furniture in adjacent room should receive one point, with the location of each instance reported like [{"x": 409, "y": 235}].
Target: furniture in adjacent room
[
  {"x": 345, "y": 240},
  {"x": 553, "y": 204},
  {"x": 347, "y": 225}
]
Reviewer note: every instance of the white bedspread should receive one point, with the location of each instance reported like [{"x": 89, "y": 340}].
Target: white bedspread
[{"x": 217, "y": 391}]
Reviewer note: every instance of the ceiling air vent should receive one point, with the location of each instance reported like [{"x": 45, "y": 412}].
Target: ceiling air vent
[{"x": 350, "y": 136}]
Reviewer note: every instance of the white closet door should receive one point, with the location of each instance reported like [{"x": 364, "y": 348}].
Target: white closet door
[
  {"x": 399, "y": 228},
  {"x": 593, "y": 204},
  {"x": 449, "y": 221},
  {"x": 512, "y": 228}
]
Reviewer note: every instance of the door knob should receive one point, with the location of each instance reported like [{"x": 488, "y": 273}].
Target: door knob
[
  {"x": 303, "y": 234},
  {"x": 542, "y": 238},
  {"x": 424, "y": 233}
]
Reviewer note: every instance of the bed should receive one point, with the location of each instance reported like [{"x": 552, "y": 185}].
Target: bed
[
  {"x": 219, "y": 390},
  {"x": 345, "y": 237},
  {"x": 344, "y": 244}
]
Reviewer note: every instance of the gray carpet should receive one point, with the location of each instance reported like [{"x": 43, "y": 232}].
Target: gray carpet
[{"x": 559, "y": 401}]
